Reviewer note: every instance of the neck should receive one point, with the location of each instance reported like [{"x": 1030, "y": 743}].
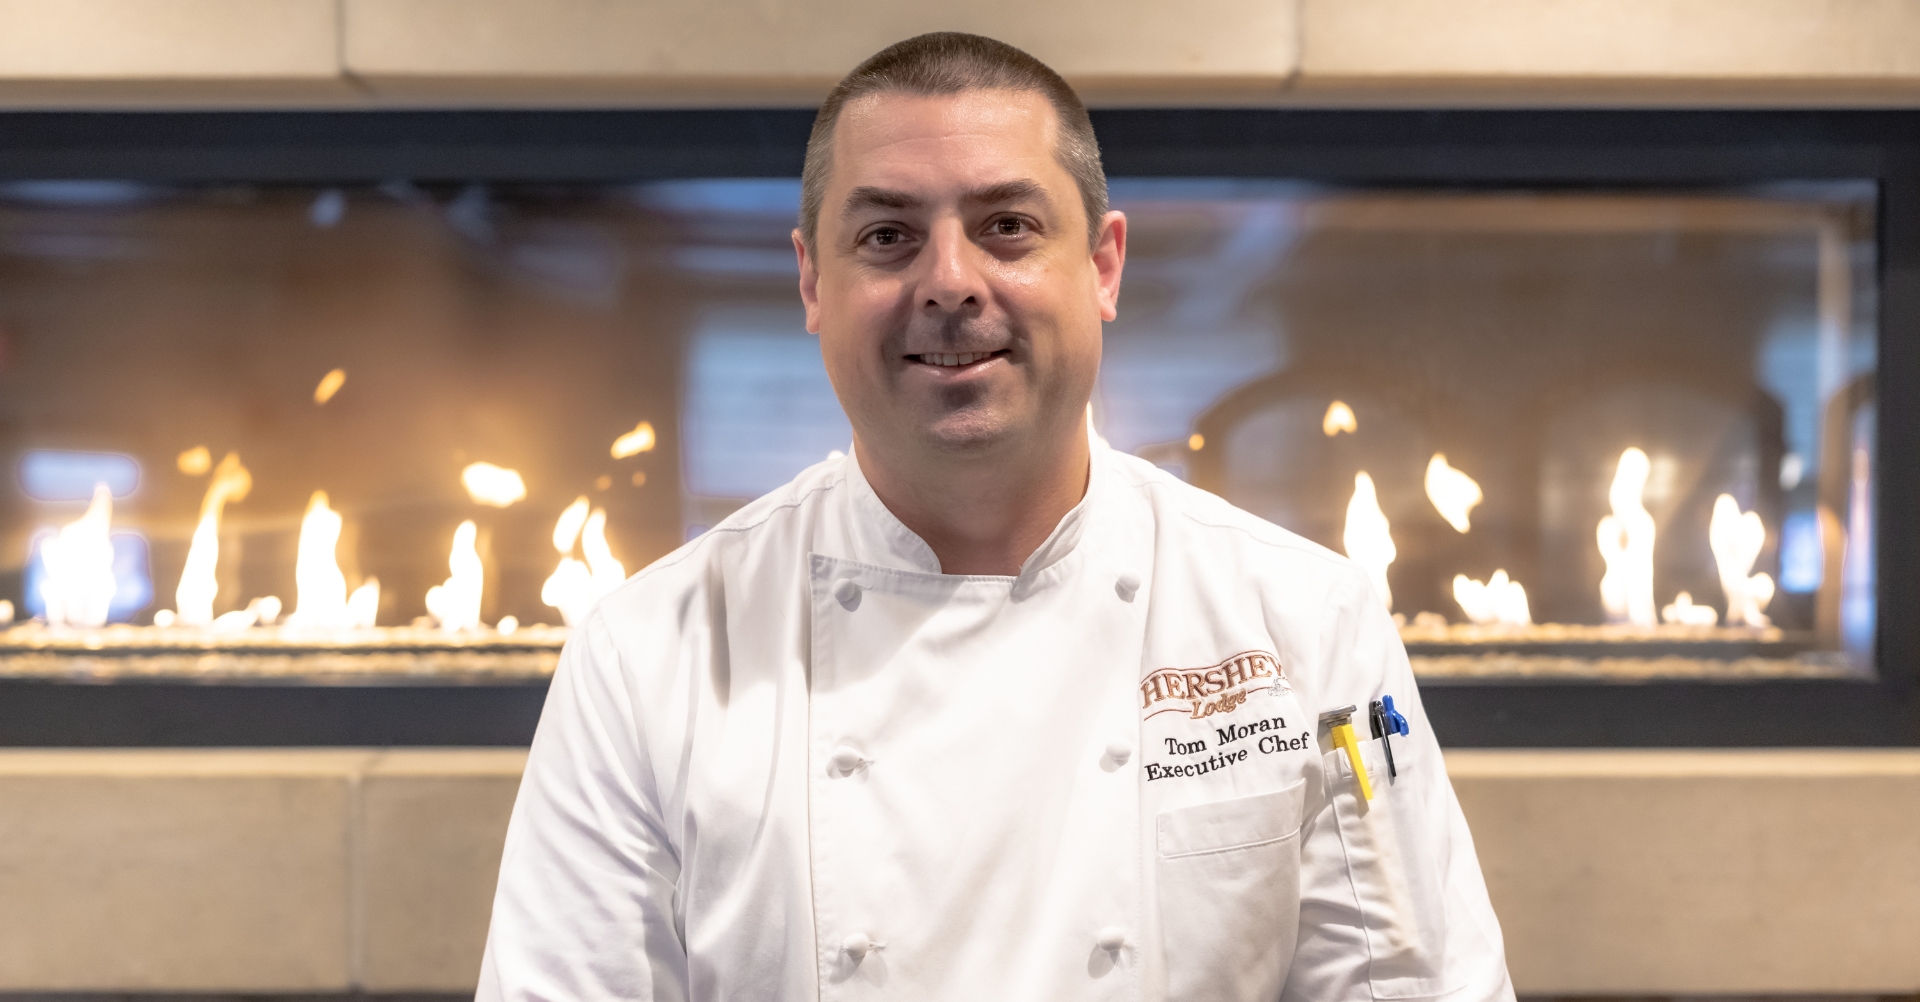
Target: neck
[{"x": 981, "y": 515}]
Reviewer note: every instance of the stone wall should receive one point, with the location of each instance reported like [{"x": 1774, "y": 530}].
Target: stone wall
[
  {"x": 638, "y": 53},
  {"x": 1614, "y": 872}
]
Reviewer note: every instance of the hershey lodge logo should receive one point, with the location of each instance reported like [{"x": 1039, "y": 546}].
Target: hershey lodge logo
[{"x": 1203, "y": 692}]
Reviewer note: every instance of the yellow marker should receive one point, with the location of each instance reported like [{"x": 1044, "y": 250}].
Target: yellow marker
[{"x": 1340, "y": 724}]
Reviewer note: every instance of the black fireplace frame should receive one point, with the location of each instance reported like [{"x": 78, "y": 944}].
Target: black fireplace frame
[{"x": 1464, "y": 149}]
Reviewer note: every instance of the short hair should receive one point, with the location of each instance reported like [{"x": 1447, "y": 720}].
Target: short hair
[{"x": 950, "y": 62}]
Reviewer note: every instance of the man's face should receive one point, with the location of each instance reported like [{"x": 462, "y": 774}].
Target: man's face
[{"x": 952, "y": 285}]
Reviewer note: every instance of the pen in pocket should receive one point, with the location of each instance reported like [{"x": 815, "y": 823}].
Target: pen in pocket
[{"x": 1383, "y": 729}]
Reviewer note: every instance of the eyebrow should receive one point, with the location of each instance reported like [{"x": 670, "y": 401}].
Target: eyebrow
[
  {"x": 870, "y": 197},
  {"x": 1005, "y": 191}
]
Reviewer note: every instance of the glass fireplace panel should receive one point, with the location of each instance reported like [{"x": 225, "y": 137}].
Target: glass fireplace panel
[
  {"x": 1589, "y": 363},
  {"x": 1590, "y": 434}
]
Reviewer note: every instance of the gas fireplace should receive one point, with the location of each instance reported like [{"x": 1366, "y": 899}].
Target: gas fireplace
[{"x": 318, "y": 417}]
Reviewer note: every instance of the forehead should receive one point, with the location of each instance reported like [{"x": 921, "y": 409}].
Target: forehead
[{"x": 950, "y": 141}]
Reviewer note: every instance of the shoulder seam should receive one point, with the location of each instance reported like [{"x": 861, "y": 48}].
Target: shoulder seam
[
  {"x": 766, "y": 517},
  {"x": 1318, "y": 552}
]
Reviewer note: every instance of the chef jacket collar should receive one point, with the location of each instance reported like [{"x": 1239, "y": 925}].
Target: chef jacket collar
[{"x": 875, "y": 536}]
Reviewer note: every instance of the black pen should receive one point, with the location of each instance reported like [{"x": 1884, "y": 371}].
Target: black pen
[{"x": 1382, "y": 729}]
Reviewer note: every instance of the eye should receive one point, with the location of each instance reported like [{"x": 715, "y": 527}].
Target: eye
[
  {"x": 1009, "y": 226},
  {"x": 885, "y": 236}
]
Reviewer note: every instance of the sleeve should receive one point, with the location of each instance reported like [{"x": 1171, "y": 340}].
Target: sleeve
[
  {"x": 1392, "y": 901},
  {"x": 585, "y": 905}
]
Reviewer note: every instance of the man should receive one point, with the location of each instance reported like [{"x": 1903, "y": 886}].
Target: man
[{"x": 983, "y": 710}]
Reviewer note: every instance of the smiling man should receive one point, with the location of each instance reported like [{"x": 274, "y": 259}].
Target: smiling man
[{"x": 983, "y": 710}]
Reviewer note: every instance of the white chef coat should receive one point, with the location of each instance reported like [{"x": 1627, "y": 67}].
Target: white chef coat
[{"x": 792, "y": 760}]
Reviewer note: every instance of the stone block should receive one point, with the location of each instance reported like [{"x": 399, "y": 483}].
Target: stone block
[
  {"x": 786, "y": 52},
  {"x": 1669, "y": 51},
  {"x": 1671, "y": 872},
  {"x": 163, "y": 871},
  {"x": 177, "y": 39},
  {"x": 432, "y": 826}
]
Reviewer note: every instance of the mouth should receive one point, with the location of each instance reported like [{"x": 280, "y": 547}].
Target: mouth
[{"x": 956, "y": 360}]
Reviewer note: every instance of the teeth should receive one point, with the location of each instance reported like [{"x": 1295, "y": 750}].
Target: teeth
[{"x": 965, "y": 358}]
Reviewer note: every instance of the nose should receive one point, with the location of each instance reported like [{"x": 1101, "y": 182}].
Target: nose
[{"x": 953, "y": 281}]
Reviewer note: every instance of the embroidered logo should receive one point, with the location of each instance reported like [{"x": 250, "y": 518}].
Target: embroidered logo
[{"x": 1221, "y": 688}]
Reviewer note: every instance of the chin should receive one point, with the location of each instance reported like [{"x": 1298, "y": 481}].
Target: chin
[{"x": 966, "y": 434}]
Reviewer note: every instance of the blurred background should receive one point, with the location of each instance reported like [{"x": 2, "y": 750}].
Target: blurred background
[{"x": 350, "y": 349}]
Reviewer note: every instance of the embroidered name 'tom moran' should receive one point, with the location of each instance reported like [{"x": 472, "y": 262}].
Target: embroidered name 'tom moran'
[{"x": 1221, "y": 688}]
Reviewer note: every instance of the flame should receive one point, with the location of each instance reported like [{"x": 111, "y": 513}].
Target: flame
[
  {"x": 1339, "y": 418},
  {"x": 259, "y": 612},
  {"x": 265, "y": 610},
  {"x": 570, "y": 590},
  {"x": 608, "y": 573},
  {"x": 576, "y": 584},
  {"x": 1453, "y": 493},
  {"x": 1367, "y": 540},
  {"x": 1626, "y": 544},
  {"x": 1684, "y": 613},
  {"x": 198, "y": 585},
  {"x": 322, "y": 599},
  {"x": 1500, "y": 601},
  {"x": 194, "y": 461},
  {"x": 456, "y": 602},
  {"x": 329, "y": 385},
  {"x": 6, "y": 611},
  {"x": 1736, "y": 539},
  {"x": 1196, "y": 442},
  {"x": 363, "y": 605},
  {"x": 234, "y": 622},
  {"x": 79, "y": 585},
  {"x": 568, "y": 528},
  {"x": 493, "y": 485},
  {"x": 320, "y": 589},
  {"x": 635, "y": 442}
]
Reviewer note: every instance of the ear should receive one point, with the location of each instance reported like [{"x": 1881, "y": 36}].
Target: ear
[
  {"x": 809, "y": 282},
  {"x": 1109, "y": 258}
]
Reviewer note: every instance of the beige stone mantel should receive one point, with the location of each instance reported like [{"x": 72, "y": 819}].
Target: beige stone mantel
[
  {"x": 293, "y": 870},
  {"x": 761, "y": 53}
]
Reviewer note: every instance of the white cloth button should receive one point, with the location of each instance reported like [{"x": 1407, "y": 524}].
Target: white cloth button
[
  {"x": 846, "y": 593},
  {"x": 856, "y": 945},
  {"x": 1127, "y": 586},
  {"x": 1112, "y": 938},
  {"x": 1119, "y": 752},
  {"x": 846, "y": 758}
]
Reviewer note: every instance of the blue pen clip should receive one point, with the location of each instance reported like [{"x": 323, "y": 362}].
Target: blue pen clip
[{"x": 1396, "y": 721}]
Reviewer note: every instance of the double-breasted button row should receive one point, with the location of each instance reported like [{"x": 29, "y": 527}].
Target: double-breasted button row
[
  {"x": 846, "y": 591},
  {"x": 856, "y": 945},
  {"x": 845, "y": 760}
]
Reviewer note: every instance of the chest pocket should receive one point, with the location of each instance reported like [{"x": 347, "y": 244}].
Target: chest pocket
[
  {"x": 1224, "y": 870},
  {"x": 1395, "y": 868}
]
